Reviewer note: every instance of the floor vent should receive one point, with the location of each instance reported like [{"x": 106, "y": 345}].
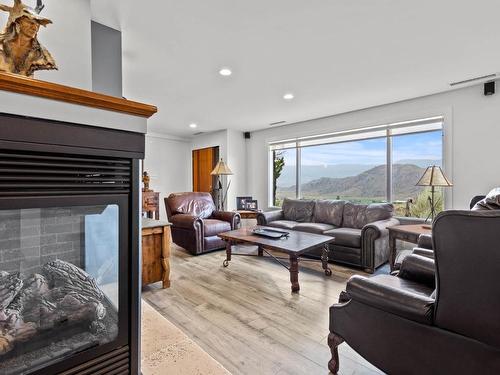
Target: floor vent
[
  {"x": 471, "y": 80},
  {"x": 277, "y": 123}
]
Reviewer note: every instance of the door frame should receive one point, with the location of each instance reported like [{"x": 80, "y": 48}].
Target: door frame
[{"x": 216, "y": 155}]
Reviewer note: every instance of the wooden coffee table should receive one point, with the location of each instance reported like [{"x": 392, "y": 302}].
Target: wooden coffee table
[{"x": 295, "y": 245}]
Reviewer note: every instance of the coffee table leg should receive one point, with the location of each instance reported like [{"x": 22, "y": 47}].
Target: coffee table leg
[
  {"x": 294, "y": 273},
  {"x": 228, "y": 253},
  {"x": 261, "y": 251},
  {"x": 324, "y": 260}
]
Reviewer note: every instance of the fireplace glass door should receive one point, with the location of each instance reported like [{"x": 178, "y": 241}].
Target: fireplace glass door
[{"x": 59, "y": 283}]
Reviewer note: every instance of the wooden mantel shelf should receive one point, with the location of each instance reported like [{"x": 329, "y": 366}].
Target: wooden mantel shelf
[{"x": 48, "y": 90}]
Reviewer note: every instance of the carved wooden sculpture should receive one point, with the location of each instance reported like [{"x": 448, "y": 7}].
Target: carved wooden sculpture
[{"x": 20, "y": 50}]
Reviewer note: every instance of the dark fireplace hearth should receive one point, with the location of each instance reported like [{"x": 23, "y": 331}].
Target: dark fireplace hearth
[{"x": 69, "y": 248}]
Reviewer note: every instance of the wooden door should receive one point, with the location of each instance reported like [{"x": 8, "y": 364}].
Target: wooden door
[{"x": 204, "y": 161}]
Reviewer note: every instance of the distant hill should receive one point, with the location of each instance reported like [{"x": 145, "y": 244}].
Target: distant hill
[
  {"x": 422, "y": 163},
  {"x": 370, "y": 183},
  {"x": 314, "y": 172}
]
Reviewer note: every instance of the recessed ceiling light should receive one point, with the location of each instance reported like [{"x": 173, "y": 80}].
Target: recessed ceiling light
[
  {"x": 288, "y": 96},
  {"x": 193, "y": 125},
  {"x": 226, "y": 72}
]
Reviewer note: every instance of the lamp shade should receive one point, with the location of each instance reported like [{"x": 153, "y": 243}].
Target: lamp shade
[
  {"x": 434, "y": 176},
  {"x": 221, "y": 169}
]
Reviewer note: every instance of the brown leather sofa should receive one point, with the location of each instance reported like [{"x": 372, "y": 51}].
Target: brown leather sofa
[
  {"x": 435, "y": 317},
  {"x": 360, "y": 231},
  {"x": 196, "y": 223}
]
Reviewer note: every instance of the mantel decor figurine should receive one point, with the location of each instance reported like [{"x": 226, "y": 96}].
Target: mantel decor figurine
[{"x": 20, "y": 51}]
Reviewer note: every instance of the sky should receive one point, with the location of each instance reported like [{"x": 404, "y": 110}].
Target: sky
[{"x": 371, "y": 152}]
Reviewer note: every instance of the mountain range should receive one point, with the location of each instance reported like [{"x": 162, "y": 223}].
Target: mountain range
[
  {"x": 370, "y": 183},
  {"x": 314, "y": 172}
]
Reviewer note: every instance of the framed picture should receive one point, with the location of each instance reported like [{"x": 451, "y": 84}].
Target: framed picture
[
  {"x": 240, "y": 202},
  {"x": 251, "y": 205}
]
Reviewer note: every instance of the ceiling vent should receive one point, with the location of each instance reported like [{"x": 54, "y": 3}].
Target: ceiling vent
[
  {"x": 474, "y": 80},
  {"x": 277, "y": 123}
]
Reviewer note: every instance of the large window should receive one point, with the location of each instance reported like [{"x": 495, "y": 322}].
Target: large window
[
  {"x": 353, "y": 171},
  {"x": 411, "y": 155},
  {"x": 284, "y": 171},
  {"x": 377, "y": 164}
]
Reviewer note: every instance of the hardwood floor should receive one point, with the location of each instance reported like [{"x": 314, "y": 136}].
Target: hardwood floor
[{"x": 246, "y": 317}]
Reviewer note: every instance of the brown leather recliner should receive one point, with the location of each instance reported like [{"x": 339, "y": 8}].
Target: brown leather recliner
[
  {"x": 435, "y": 317},
  {"x": 196, "y": 223}
]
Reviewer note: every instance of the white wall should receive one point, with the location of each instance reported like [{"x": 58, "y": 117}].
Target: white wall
[
  {"x": 232, "y": 148},
  {"x": 237, "y": 161},
  {"x": 472, "y": 133},
  {"x": 106, "y": 60},
  {"x": 68, "y": 39},
  {"x": 214, "y": 139},
  {"x": 168, "y": 162}
]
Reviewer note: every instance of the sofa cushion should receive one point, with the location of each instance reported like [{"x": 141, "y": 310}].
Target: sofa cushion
[
  {"x": 359, "y": 215},
  {"x": 298, "y": 210},
  {"x": 212, "y": 227},
  {"x": 329, "y": 212},
  {"x": 284, "y": 224},
  {"x": 491, "y": 202},
  {"x": 346, "y": 236},
  {"x": 317, "y": 228},
  {"x": 354, "y": 215},
  {"x": 378, "y": 211}
]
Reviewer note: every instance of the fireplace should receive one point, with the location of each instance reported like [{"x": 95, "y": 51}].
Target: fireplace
[{"x": 69, "y": 248}]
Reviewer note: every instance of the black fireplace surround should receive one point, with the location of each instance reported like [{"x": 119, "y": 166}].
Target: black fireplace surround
[{"x": 69, "y": 248}]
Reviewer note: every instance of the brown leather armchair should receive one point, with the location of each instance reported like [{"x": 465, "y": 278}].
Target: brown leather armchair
[
  {"x": 434, "y": 317},
  {"x": 424, "y": 244},
  {"x": 196, "y": 223}
]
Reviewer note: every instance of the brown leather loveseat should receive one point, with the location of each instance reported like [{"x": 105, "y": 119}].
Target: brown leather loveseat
[
  {"x": 196, "y": 223},
  {"x": 360, "y": 231}
]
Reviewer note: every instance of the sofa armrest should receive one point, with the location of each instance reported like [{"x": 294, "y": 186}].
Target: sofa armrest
[
  {"x": 420, "y": 269},
  {"x": 378, "y": 293},
  {"x": 375, "y": 243},
  {"x": 264, "y": 218},
  {"x": 186, "y": 221},
  {"x": 425, "y": 241},
  {"x": 232, "y": 218},
  {"x": 380, "y": 227},
  {"x": 423, "y": 252}
]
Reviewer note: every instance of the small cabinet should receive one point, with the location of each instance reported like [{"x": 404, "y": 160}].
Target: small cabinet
[{"x": 156, "y": 242}]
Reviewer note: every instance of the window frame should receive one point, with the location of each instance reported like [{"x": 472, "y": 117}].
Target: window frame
[{"x": 434, "y": 124}]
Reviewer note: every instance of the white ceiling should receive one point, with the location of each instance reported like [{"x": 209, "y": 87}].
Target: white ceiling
[{"x": 334, "y": 55}]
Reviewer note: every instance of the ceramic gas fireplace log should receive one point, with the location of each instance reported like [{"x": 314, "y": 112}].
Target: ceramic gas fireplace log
[{"x": 63, "y": 294}]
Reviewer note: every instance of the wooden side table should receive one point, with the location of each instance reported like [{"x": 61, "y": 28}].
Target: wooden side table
[
  {"x": 156, "y": 241},
  {"x": 151, "y": 204},
  {"x": 408, "y": 233},
  {"x": 247, "y": 214}
]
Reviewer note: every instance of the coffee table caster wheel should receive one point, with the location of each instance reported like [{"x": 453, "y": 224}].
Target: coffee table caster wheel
[
  {"x": 328, "y": 272},
  {"x": 225, "y": 263}
]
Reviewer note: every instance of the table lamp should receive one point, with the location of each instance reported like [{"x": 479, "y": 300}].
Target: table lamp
[
  {"x": 433, "y": 176},
  {"x": 221, "y": 169}
]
